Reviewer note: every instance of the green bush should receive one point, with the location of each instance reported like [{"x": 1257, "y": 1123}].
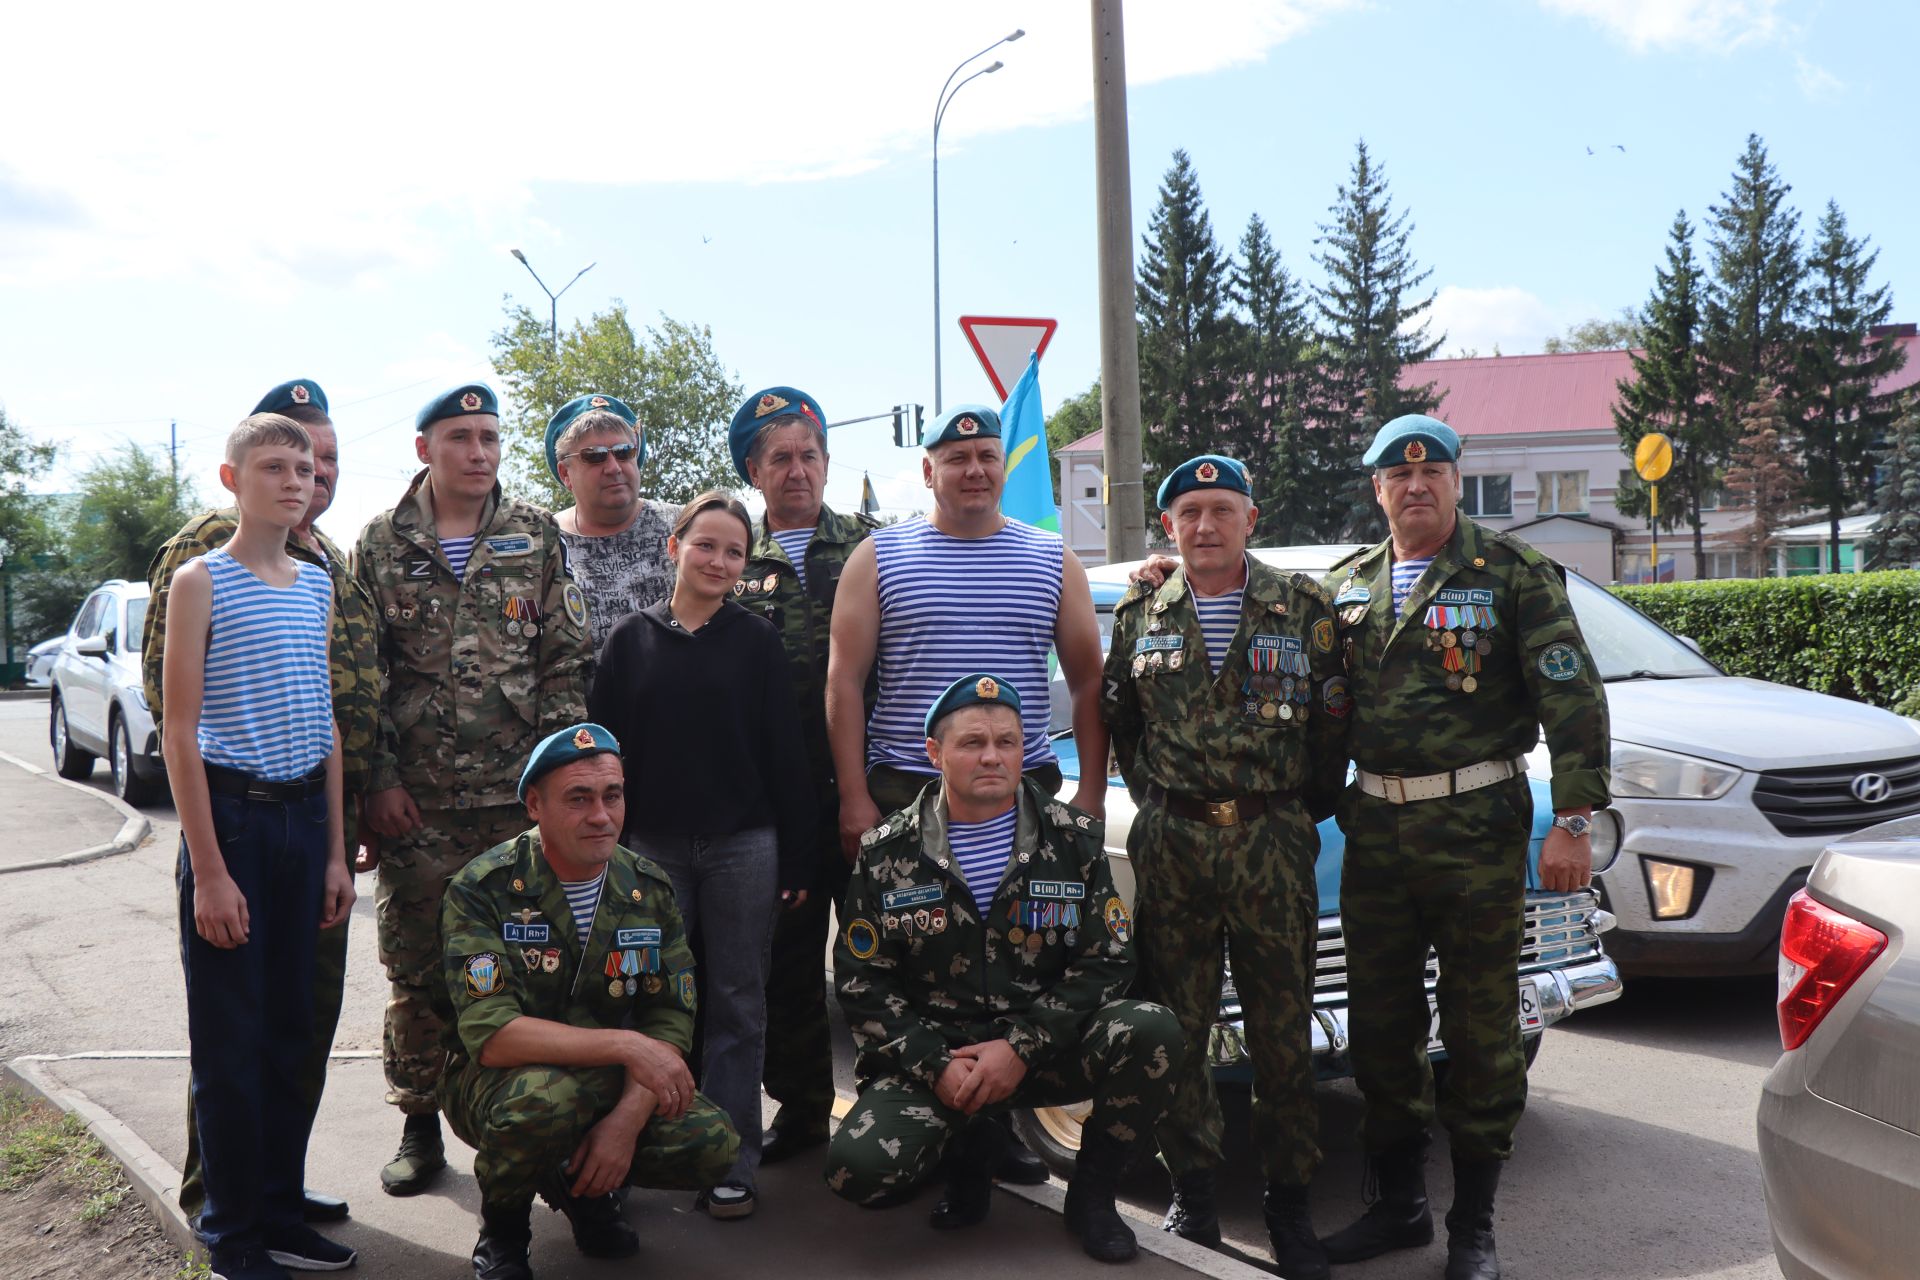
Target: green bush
[{"x": 1851, "y": 635}]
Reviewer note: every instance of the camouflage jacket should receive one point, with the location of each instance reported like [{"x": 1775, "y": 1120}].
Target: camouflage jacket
[
  {"x": 351, "y": 650},
  {"x": 477, "y": 671},
  {"x": 920, "y": 972},
  {"x": 508, "y": 948},
  {"x": 1486, "y": 653},
  {"x": 803, "y": 615},
  {"x": 1274, "y": 718}
]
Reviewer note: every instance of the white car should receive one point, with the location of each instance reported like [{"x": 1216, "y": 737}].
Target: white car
[
  {"x": 98, "y": 705},
  {"x": 39, "y": 674}
]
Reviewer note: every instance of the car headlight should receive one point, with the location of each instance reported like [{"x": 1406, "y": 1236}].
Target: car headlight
[
  {"x": 1604, "y": 838},
  {"x": 1647, "y": 772}
]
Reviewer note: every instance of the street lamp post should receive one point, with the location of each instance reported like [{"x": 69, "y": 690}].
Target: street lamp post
[
  {"x": 553, "y": 299},
  {"x": 948, "y": 92}
]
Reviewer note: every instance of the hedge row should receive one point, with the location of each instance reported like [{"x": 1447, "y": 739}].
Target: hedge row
[{"x": 1852, "y": 635}]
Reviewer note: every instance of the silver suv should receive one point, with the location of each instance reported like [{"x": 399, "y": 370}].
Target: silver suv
[{"x": 98, "y": 705}]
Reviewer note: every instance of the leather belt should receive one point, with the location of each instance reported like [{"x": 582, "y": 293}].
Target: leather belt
[
  {"x": 1217, "y": 813},
  {"x": 235, "y": 782},
  {"x": 1432, "y": 786}
]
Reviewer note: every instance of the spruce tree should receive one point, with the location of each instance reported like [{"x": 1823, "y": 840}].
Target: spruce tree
[
  {"x": 1749, "y": 338},
  {"x": 1764, "y": 478},
  {"x": 1841, "y": 420},
  {"x": 1664, "y": 395},
  {"x": 1272, "y": 364},
  {"x": 1894, "y": 542},
  {"x": 1186, "y": 331},
  {"x": 1370, "y": 329}
]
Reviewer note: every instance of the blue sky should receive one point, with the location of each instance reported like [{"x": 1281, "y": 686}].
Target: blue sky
[{"x": 206, "y": 204}]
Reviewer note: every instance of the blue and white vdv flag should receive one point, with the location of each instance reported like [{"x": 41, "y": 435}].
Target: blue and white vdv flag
[{"x": 1028, "y": 496}]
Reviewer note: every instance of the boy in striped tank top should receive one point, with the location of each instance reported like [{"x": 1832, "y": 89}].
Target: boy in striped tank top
[{"x": 254, "y": 759}]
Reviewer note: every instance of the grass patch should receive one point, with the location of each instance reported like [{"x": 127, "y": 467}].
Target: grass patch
[{"x": 38, "y": 1143}]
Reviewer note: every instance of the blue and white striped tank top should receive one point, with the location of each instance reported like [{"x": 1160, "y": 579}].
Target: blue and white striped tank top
[
  {"x": 982, "y": 849},
  {"x": 267, "y": 709},
  {"x": 1406, "y": 576},
  {"x": 952, "y": 606}
]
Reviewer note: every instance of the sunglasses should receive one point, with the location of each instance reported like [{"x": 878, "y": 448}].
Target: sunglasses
[{"x": 595, "y": 456}]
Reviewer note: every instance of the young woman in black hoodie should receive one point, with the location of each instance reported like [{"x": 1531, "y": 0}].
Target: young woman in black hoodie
[{"x": 696, "y": 690}]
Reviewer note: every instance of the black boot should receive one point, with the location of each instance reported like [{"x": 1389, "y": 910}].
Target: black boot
[
  {"x": 1296, "y": 1250},
  {"x": 970, "y": 1166},
  {"x": 1017, "y": 1165},
  {"x": 1470, "y": 1254},
  {"x": 1192, "y": 1215},
  {"x": 422, "y": 1155},
  {"x": 501, "y": 1251},
  {"x": 1090, "y": 1210},
  {"x": 598, "y": 1229},
  {"x": 1398, "y": 1216}
]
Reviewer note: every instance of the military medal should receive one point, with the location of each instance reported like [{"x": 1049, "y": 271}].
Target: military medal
[
  {"x": 1016, "y": 935},
  {"x": 652, "y": 983},
  {"x": 1448, "y": 639},
  {"x": 1053, "y": 936},
  {"x": 1034, "y": 943},
  {"x": 1468, "y": 684},
  {"x": 1454, "y": 681},
  {"x": 1268, "y": 711},
  {"x": 1483, "y": 646},
  {"x": 1286, "y": 711}
]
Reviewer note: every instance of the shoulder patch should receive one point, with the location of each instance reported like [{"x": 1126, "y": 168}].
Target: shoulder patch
[
  {"x": 1310, "y": 586},
  {"x": 1136, "y": 592}
]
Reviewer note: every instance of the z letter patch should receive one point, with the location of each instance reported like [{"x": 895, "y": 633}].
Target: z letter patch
[{"x": 483, "y": 975}]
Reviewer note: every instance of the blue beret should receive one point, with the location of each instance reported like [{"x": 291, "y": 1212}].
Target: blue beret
[
  {"x": 301, "y": 392},
  {"x": 978, "y": 689},
  {"x": 592, "y": 402},
  {"x": 475, "y": 397},
  {"x": 1413, "y": 437},
  {"x": 1208, "y": 471},
  {"x": 962, "y": 422},
  {"x": 762, "y": 407},
  {"x": 564, "y": 747}
]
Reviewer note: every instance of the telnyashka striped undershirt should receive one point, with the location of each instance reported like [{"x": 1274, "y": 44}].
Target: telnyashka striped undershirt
[
  {"x": 1406, "y": 575},
  {"x": 583, "y": 899},
  {"x": 458, "y": 551},
  {"x": 794, "y": 543},
  {"x": 981, "y": 851},
  {"x": 267, "y": 702},
  {"x": 1219, "y": 619}
]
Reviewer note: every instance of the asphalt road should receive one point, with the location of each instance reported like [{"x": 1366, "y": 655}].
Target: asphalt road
[{"x": 1635, "y": 1160}]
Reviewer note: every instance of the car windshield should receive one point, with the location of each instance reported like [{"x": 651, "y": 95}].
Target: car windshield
[
  {"x": 1625, "y": 643},
  {"x": 136, "y": 625}
]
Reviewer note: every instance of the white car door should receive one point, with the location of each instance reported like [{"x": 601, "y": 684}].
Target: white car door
[{"x": 85, "y": 677}]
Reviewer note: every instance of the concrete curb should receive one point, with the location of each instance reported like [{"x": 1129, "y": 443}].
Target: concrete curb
[
  {"x": 133, "y": 831},
  {"x": 25, "y": 695},
  {"x": 155, "y": 1181}
]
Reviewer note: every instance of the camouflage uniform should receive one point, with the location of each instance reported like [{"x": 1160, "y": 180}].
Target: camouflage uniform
[
  {"x": 1450, "y": 873},
  {"x": 1278, "y": 733},
  {"x": 477, "y": 672},
  {"x": 799, "y": 1067},
  {"x": 920, "y": 972},
  {"x": 356, "y": 711},
  {"x": 508, "y": 949}
]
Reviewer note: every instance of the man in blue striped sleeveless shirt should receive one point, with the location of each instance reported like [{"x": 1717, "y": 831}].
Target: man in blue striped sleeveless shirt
[{"x": 254, "y": 759}]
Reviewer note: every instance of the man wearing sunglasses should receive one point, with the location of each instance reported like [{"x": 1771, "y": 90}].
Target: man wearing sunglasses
[{"x": 616, "y": 540}]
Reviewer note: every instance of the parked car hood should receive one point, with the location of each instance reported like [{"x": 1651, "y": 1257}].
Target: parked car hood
[{"x": 1755, "y": 724}]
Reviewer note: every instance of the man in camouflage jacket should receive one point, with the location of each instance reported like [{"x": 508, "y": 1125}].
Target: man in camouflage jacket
[
  {"x": 1024, "y": 1001},
  {"x": 1231, "y": 749},
  {"x": 779, "y": 445},
  {"x": 1461, "y": 646},
  {"x": 566, "y": 1067},
  {"x": 478, "y": 667},
  {"x": 355, "y": 675}
]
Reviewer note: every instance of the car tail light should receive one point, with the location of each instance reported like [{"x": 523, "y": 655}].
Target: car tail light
[{"x": 1821, "y": 954}]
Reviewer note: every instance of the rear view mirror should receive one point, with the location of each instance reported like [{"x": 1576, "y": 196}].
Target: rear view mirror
[
  {"x": 1692, "y": 644},
  {"x": 91, "y": 646}
]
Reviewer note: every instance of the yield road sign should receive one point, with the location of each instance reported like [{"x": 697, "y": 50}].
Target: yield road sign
[{"x": 1002, "y": 344}]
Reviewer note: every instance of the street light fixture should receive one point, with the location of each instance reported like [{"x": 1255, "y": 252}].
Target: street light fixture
[
  {"x": 948, "y": 92},
  {"x": 553, "y": 299}
]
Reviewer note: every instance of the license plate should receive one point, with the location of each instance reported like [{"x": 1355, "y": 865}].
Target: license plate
[{"x": 1531, "y": 1019}]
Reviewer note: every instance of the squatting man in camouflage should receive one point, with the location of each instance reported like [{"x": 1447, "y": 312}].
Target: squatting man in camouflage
[
  {"x": 483, "y": 642},
  {"x": 981, "y": 966},
  {"x": 1228, "y": 709},
  {"x": 566, "y": 1035},
  {"x": 1461, "y": 646}
]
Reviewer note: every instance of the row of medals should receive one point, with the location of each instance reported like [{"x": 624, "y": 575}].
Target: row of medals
[
  {"x": 1276, "y": 695},
  {"x": 523, "y": 616},
  {"x": 630, "y": 985},
  {"x": 1018, "y": 936},
  {"x": 1460, "y": 652}
]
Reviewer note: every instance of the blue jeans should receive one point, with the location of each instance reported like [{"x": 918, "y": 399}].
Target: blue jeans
[
  {"x": 727, "y": 889},
  {"x": 250, "y": 1016}
]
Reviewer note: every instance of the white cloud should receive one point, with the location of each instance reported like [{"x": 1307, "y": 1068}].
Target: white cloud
[
  {"x": 1815, "y": 81},
  {"x": 1716, "y": 26},
  {"x": 1481, "y": 320},
  {"x": 256, "y": 148}
]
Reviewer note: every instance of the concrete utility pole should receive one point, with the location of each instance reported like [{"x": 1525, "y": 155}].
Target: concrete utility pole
[{"x": 1119, "y": 329}]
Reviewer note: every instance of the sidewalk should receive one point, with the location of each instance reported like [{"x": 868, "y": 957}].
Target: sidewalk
[{"x": 82, "y": 823}]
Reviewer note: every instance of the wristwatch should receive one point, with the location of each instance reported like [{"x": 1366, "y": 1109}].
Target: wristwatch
[{"x": 1574, "y": 825}]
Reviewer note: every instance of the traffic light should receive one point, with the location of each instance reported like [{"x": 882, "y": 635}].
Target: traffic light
[{"x": 906, "y": 425}]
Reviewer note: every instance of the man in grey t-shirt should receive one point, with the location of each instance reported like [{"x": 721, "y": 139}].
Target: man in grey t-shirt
[{"x": 616, "y": 540}]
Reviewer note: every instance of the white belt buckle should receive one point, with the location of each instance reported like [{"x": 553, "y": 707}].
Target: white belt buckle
[{"x": 1394, "y": 790}]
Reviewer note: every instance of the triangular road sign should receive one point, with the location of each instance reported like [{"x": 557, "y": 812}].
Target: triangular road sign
[{"x": 1003, "y": 344}]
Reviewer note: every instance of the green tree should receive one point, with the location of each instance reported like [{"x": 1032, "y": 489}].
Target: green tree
[
  {"x": 1763, "y": 478},
  {"x": 1186, "y": 331},
  {"x": 1749, "y": 338},
  {"x": 128, "y": 505},
  {"x": 1894, "y": 542},
  {"x": 1603, "y": 333},
  {"x": 22, "y": 521},
  {"x": 1664, "y": 394},
  {"x": 1370, "y": 329},
  {"x": 1074, "y": 418},
  {"x": 670, "y": 377},
  {"x": 1840, "y": 361},
  {"x": 1275, "y": 364}
]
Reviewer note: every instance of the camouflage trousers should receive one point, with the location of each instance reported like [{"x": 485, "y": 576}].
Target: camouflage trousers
[
  {"x": 329, "y": 991},
  {"x": 414, "y": 871},
  {"x": 524, "y": 1122},
  {"x": 1247, "y": 890},
  {"x": 799, "y": 1062},
  {"x": 1449, "y": 874},
  {"x": 897, "y": 1131}
]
